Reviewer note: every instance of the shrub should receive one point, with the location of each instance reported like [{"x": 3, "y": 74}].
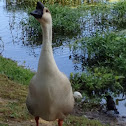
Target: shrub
[
  {"x": 98, "y": 81},
  {"x": 65, "y": 20},
  {"x": 119, "y": 14},
  {"x": 106, "y": 56}
]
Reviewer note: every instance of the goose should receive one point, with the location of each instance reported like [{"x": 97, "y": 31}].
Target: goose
[{"x": 50, "y": 94}]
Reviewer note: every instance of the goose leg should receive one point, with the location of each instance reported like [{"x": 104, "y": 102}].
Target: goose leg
[
  {"x": 60, "y": 122},
  {"x": 37, "y": 121}
]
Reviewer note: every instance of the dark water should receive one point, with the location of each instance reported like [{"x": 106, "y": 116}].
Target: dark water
[{"x": 16, "y": 45}]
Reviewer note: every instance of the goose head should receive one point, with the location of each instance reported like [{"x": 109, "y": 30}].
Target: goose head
[{"x": 42, "y": 14}]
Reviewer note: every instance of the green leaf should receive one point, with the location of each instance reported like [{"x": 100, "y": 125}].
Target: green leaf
[{"x": 119, "y": 77}]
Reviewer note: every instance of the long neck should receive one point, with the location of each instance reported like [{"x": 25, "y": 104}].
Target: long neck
[
  {"x": 46, "y": 60},
  {"x": 47, "y": 36}
]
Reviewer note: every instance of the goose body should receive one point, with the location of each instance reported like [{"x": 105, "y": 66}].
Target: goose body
[{"x": 50, "y": 93}]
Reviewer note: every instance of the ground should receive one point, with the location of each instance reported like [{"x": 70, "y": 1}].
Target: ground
[{"x": 13, "y": 111}]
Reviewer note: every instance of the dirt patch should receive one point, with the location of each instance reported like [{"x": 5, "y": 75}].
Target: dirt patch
[
  {"x": 101, "y": 115},
  {"x": 105, "y": 118},
  {"x": 27, "y": 123}
]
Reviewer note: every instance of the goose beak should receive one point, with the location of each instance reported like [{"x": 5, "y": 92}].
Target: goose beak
[{"x": 39, "y": 11}]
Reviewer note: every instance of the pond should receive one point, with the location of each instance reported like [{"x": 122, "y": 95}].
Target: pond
[{"x": 18, "y": 47}]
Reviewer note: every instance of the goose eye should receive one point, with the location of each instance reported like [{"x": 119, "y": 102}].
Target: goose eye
[{"x": 47, "y": 10}]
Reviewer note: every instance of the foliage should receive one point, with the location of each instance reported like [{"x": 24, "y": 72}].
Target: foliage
[
  {"x": 107, "y": 49},
  {"x": 104, "y": 16},
  {"x": 15, "y": 72},
  {"x": 97, "y": 16},
  {"x": 65, "y": 20},
  {"x": 61, "y": 2},
  {"x": 97, "y": 81},
  {"x": 106, "y": 56},
  {"x": 119, "y": 14}
]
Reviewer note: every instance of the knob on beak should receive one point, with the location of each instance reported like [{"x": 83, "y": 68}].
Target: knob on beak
[{"x": 39, "y": 10}]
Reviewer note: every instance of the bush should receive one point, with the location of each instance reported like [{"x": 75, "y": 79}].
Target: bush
[
  {"x": 119, "y": 14},
  {"x": 65, "y": 20},
  {"x": 98, "y": 81},
  {"x": 106, "y": 56}
]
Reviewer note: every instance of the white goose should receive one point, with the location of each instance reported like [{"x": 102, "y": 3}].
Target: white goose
[{"x": 50, "y": 94}]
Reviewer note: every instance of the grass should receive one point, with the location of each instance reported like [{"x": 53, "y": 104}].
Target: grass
[
  {"x": 81, "y": 121},
  {"x": 3, "y": 124},
  {"x": 15, "y": 72},
  {"x": 105, "y": 17},
  {"x": 12, "y": 100},
  {"x": 13, "y": 109}
]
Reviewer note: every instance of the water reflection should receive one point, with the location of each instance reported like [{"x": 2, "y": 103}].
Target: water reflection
[{"x": 121, "y": 104}]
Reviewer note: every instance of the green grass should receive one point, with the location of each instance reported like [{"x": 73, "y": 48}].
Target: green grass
[
  {"x": 81, "y": 121},
  {"x": 15, "y": 72},
  {"x": 3, "y": 124},
  {"x": 13, "y": 97}
]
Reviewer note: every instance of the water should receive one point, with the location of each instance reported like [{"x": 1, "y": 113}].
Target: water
[{"x": 121, "y": 104}]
